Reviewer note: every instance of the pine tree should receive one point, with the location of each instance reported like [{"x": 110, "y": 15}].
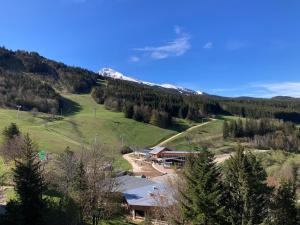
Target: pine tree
[
  {"x": 154, "y": 120},
  {"x": 283, "y": 208},
  {"x": 201, "y": 199},
  {"x": 240, "y": 128},
  {"x": 11, "y": 131},
  {"x": 248, "y": 193},
  {"x": 29, "y": 184},
  {"x": 80, "y": 188},
  {"x": 225, "y": 130}
]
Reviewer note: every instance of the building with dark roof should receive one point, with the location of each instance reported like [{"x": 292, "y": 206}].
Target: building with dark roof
[{"x": 142, "y": 195}]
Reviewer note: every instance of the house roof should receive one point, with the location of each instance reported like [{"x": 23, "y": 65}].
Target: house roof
[
  {"x": 145, "y": 196},
  {"x": 157, "y": 149},
  {"x": 127, "y": 182},
  {"x": 142, "y": 191}
]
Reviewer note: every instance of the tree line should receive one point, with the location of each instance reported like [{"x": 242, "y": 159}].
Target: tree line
[
  {"x": 264, "y": 133},
  {"x": 287, "y": 109},
  {"x": 152, "y": 105},
  {"x": 236, "y": 194},
  {"x": 56, "y": 74},
  {"x": 137, "y": 101},
  {"x": 19, "y": 89}
]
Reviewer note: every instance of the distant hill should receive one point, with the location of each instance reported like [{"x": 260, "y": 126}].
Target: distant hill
[
  {"x": 30, "y": 80},
  {"x": 35, "y": 82},
  {"x": 63, "y": 77},
  {"x": 288, "y": 98}
]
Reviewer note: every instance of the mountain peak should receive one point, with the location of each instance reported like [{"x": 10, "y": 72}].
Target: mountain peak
[{"x": 111, "y": 73}]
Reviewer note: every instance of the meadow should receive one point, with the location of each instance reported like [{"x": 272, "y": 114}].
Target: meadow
[{"x": 83, "y": 122}]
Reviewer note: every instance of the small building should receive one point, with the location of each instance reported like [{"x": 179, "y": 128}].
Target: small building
[
  {"x": 157, "y": 151},
  {"x": 142, "y": 195},
  {"x": 163, "y": 152}
]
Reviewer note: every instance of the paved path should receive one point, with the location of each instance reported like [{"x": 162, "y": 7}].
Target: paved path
[{"x": 181, "y": 133}]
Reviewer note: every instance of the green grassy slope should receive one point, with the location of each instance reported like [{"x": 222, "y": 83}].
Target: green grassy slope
[
  {"x": 81, "y": 127},
  {"x": 209, "y": 135}
]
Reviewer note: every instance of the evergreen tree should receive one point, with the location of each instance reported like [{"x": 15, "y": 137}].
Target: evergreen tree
[
  {"x": 248, "y": 193},
  {"x": 225, "y": 130},
  {"x": 11, "y": 131},
  {"x": 80, "y": 187},
  {"x": 283, "y": 208},
  {"x": 128, "y": 110},
  {"x": 240, "y": 128},
  {"x": 201, "y": 201},
  {"x": 29, "y": 184}
]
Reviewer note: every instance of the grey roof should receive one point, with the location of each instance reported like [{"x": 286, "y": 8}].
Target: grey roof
[
  {"x": 145, "y": 196},
  {"x": 157, "y": 150},
  {"x": 127, "y": 182},
  {"x": 142, "y": 191}
]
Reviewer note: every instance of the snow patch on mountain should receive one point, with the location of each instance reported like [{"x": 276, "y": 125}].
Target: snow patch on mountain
[{"x": 108, "y": 72}]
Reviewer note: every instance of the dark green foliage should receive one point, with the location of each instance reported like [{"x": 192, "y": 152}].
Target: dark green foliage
[
  {"x": 145, "y": 104},
  {"x": 247, "y": 192},
  {"x": 265, "y": 133},
  {"x": 126, "y": 150},
  {"x": 283, "y": 208},
  {"x": 80, "y": 188},
  {"x": 19, "y": 89},
  {"x": 285, "y": 109},
  {"x": 128, "y": 110},
  {"x": 201, "y": 200},
  {"x": 29, "y": 185},
  {"x": 160, "y": 119},
  {"x": 225, "y": 130},
  {"x": 64, "y": 77},
  {"x": 11, "y": 131}
]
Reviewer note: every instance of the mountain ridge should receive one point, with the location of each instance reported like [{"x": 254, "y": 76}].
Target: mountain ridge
[{"x": 111, "y": 73}]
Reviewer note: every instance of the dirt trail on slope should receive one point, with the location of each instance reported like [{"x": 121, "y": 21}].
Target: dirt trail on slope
[{"x": 181, "y": 133}]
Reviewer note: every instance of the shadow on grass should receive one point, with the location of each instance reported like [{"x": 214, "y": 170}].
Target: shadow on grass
[
  {"x": 179, "y": 127},
  {"x": 69, "y": 107}
]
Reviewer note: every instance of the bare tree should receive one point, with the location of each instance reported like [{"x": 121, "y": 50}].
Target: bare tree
[
  {"x": 11, "y": 149},
  {"x": 100, "y": 184},
  {"x": 168, "y": 200},
  {"x": 66, "y": 166}
]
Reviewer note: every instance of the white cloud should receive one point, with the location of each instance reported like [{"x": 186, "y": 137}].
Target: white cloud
[
  {"x": 260, "y": 90},
  {"x": 208, "y": 45},
  {"x": 134, "y": 58},
  {"x": 177, "y": 47},
  {"x": 278, "y": 89}
]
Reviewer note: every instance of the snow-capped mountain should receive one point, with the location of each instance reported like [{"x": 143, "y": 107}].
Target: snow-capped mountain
[{"x": 108, "y": 72}]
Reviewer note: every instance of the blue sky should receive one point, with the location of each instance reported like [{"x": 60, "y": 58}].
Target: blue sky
[{"x": 229, "y": 48}]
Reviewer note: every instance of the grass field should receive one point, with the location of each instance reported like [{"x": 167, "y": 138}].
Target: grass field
[
  {"x": 80, "y": 127},
  {"x": 209, "y": 135}
]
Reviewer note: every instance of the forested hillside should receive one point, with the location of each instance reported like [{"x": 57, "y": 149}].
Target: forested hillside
[
  {"x": 30, "y": 80},
  {"x": 33, "y": 81},
  {"x": 61, "y": 76},
  {"x": 150, "y": 105}
]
